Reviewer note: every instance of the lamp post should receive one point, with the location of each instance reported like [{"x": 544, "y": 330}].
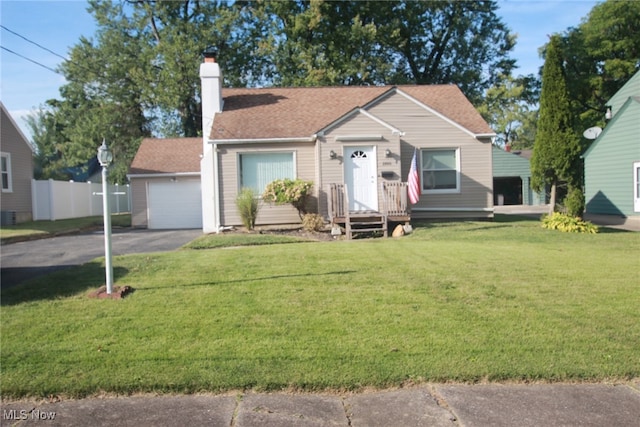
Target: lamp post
[{"x": 104, "y": 158}]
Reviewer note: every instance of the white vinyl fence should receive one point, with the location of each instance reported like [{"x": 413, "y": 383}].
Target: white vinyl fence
[{"x": 54, "y": 200}]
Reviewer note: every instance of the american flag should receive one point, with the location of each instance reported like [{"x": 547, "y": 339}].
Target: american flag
[{"x": 414, "y": 180}]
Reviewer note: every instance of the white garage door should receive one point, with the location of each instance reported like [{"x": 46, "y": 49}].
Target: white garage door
[{"x": 174, "y": 205}]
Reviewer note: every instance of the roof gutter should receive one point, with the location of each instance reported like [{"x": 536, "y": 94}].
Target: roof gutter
[
  {"x": 161, "y": 174},
  {"x": 311, "y": 138},
  {"x": 485, "y": 135}
]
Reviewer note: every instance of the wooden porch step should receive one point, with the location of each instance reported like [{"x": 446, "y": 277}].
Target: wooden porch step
[{"x": 366, "y": 223}]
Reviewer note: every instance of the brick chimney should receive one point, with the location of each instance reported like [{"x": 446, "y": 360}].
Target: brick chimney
[{"x": 211, "y": 81}]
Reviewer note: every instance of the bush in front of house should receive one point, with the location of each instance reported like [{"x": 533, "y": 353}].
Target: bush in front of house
[
  {"x": 312, "y": 222},
  {"x": 574, "y": 202},
  {"x": 247, "y": 203},
  {"x": 285, "y": 191},
  {"x": 568, "y": 224}
]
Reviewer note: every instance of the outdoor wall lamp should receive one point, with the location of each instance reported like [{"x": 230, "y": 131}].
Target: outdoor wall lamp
[
  {"x": 332, "y": 154},
  {"x": 105, "y": 157},
  {"x": 387, "y": 152}
]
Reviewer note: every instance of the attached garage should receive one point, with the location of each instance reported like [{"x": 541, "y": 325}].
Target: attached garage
[
  {"x": 165, "y": 184},
  {"x": 174, "y": 205}
]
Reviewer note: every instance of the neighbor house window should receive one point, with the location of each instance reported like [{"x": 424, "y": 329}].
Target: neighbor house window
[
  {"x": 440, "y": 170},
  {"x": 259, "y": 169},
  {"x": 5, "y": 170}
]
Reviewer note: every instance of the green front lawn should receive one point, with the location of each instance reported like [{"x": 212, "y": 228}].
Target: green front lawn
[
  {"x": 43, "y": 229},
  {"x": 468, "y": 301}
]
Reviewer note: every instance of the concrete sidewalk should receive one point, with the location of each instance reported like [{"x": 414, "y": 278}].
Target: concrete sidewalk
[{"x": 425, "y": 405}]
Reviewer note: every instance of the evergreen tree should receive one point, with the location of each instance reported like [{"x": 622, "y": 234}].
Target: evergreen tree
[{"x": 556, "y": 151}]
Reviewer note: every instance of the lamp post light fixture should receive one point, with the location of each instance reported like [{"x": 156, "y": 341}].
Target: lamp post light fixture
[{"x": 105, "y": 157}]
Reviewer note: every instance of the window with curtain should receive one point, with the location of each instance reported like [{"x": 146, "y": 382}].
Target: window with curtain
[
  {"x": 259, "y": 169},
  {"x": 440, "y": 170}
]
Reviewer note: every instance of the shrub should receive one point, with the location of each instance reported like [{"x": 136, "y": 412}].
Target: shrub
[
  {"x": 312, "y": 222},
  {"x": 283, "y": 191},
  {"x": 568, "y": 224},
  {"x": 574, "y": 202},
  {"x": 248, "y": 205}
]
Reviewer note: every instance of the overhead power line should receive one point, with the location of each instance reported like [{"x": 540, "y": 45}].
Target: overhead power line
[
  {"x": 30, "y": 60},
  {"x": 32, "y": 42}
]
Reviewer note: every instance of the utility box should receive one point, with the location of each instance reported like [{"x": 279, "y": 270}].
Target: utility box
[{"x": 7, "y": 217}]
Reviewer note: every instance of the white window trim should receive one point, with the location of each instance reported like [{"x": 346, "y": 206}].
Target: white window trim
[
  {"x": 239, "y": 163},
  {"x": 636, "y": 186},
  {"x": 9, "y": 189},
  {"x": 456, "y": 190}
]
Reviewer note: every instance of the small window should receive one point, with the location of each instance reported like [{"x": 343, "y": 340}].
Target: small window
[
  {"x": 5, "y": 170},
  {"x": 257, "y": 170},
  {"x": 441, "y": 171}
]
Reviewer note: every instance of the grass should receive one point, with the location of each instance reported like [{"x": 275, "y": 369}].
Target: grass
[
  {"x": 213, "y": 241},
  {"x": 468, "y": 302},
  {"x": 43, "y": 229}
]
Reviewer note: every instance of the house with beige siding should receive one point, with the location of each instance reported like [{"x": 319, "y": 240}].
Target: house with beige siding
[
  {"x": 16, "y": 156},
  {"x": 355, "y": 143}
]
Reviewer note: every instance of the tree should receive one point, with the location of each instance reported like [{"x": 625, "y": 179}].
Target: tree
[
  {"x": 437, "y": 42},
  {"x": 172, "y": 37},
  {"x": 45, "y": 133},
  {"x": 322, "y": 43},
  {"x": 556, "y": 151},
  {"x": 508, "y": 106},
  {"x": 396, "y": 42},
  {"x": 602, "y": 53}
]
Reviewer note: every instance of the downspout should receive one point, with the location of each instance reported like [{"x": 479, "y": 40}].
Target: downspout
[{"x": 216, "y": 190}]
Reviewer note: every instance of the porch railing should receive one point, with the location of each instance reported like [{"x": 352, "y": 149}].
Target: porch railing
[{"x": 394, "y": 201}]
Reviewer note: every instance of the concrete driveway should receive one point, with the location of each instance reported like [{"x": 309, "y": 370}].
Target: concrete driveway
[{"x": 25, "y": 260}]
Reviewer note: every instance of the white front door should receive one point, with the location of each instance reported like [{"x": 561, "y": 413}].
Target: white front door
[
  {"x": 361, "y": 177},
  {"x": 636, "y": 187}
]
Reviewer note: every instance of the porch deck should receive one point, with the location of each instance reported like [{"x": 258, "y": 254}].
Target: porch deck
[{"x": 394, "y": 209}]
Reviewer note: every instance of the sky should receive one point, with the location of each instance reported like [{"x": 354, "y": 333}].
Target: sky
[{"x": 58, "y": 25}]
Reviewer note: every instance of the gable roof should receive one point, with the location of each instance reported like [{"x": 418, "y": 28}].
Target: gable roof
[
  {"x": 160, "y": 156},
  {"x": 250, "y": 113},
  {"x": 7, "y": 119},
  {"x": 630, "y": 88},
  {"x": 631, "y": 101}
]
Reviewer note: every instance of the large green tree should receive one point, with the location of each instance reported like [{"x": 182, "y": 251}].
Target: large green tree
[
  {"x": 44, "y": 133},
  {"x": 556, "y": 152},
  {"x": 322, "y": 42},
  {"x": 601, "y": 54},
  {"x": 508, "y": 107}
]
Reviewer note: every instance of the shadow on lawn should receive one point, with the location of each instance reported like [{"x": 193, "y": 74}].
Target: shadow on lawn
[
  {"x": 249, "y": 279},
  {"x": 59, "y": 284}
]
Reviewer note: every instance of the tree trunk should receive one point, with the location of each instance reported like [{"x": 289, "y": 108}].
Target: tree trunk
[{"x": 552, "y": 198}]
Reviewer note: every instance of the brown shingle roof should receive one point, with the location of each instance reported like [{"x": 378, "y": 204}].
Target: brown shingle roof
[
  {"x": 250, "y": 113},
  {"x": 167, "y": 156}
]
